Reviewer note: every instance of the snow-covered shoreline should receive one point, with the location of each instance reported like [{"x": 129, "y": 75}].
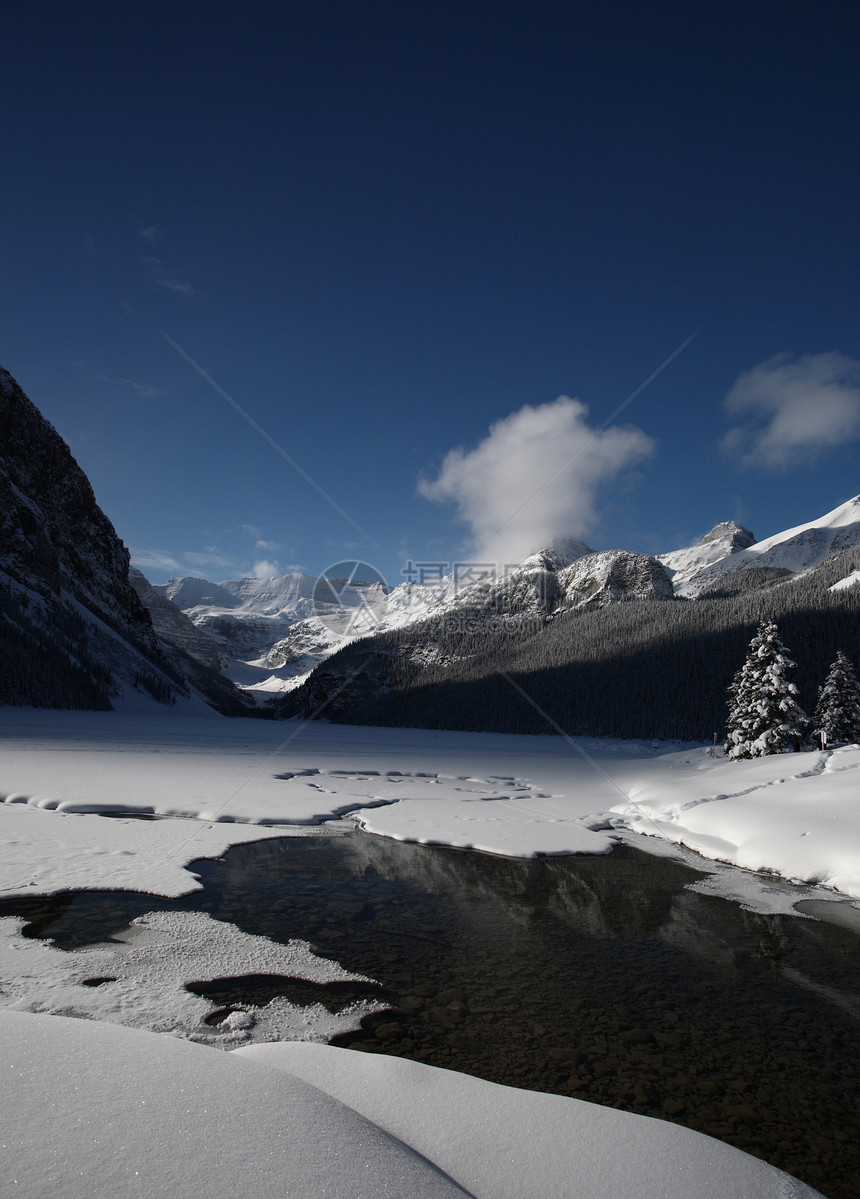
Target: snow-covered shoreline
[{"x": 790, "y": 815}]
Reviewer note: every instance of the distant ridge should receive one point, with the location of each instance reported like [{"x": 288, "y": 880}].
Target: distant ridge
[{"x": 275, "y": 636}]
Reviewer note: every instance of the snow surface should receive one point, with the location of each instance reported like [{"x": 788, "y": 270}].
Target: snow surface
[
  {"x": 227, "y": 773},
  {"x": 518, "y": 796},
  {"x": 849, "y": 581},
  {"x": 144, "y": 973},
  {"x": 524, "y": 1143},
  {"x": 96, "y": 1109},
  {"x": 91, "y": 1107},
  {"x": 794, "y": 814},
  {"x": 43, "y": 851}
]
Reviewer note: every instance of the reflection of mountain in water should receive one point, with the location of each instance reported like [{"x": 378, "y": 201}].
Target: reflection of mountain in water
[
  {"x": 628, "y": 896},
  {"x": 631, "y": 899}
]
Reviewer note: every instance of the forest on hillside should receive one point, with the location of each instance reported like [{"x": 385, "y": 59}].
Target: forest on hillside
[{"x": 652, "y": 669}]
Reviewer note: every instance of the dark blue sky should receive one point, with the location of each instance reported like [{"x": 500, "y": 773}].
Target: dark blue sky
[{"x": 382, "y": 228}]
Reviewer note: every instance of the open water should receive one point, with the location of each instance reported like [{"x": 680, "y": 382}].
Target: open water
[{"x": 598, "y": 977}]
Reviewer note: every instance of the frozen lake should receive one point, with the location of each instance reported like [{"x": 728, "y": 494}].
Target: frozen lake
[{"x": 601, "y": 977}]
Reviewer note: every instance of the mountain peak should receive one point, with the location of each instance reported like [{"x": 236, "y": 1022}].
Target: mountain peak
[
  {"x": 558, "y": 554},
  {"x": 724, "y": 540},
  {"x": 730, "y": 532}
]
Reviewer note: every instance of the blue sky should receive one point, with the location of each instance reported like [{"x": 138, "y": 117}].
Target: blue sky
[{"x": 390, "y": 230}]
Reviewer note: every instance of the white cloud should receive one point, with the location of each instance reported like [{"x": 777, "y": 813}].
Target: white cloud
[
  {"x": 153, "y": 560},
  {"x": 150, "y": 233},
  {"x": 212, "y": 557},
  {"x": 260, "y": 543},
  {"x": 211, "y": 561},
  {"x": 158, "y": 273},
  {"x": 180, "y": 286},
  {"x": 140, "y": 388},
  {"x": 795, "y": 409},
  {"x": 266, "y": 570},
  {"x": 537, "y": 473}
]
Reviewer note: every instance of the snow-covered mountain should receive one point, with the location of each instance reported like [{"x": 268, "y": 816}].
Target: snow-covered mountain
[
  {"x": 272, "y": 631},
  {"x": 276, "y": 631},
  {"x": 189, "y": 593},
  {"x": 794, "y": 550},
  {"x": 724, "y": 539},
  {"x": 613, "y": 576},
  {"x": 529, "y": 588},
  {"x": 243, "y": 615},
  {"x": 560, "y": 552},
  {"x": 172, "y": 626},
  {"x": 436, "y": 667},
  {"x": 71, "y": 615}
]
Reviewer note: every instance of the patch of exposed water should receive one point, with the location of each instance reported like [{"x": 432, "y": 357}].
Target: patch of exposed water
[
  {"x": 839, "y": 912},
  {"x": 599, "y": 977}
]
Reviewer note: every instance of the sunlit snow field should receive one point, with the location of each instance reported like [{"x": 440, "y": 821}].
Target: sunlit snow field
[
  {"x": 791, "y": 814},
  {"x": 224, "y": 782}
]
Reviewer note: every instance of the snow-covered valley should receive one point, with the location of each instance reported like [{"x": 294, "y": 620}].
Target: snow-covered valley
[{"x": 378, "y": 942}]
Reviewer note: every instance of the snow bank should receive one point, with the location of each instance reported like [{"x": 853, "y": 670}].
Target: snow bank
[
  {"x": 95, "y": 1109},
  {"x": 502, "y": 1143},
  {"x": 793, "y": 814}
]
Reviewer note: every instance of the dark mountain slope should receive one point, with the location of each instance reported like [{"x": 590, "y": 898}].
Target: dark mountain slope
[
  {"x": 73, "y": 631},
  {"x": 644, "y": 669}
]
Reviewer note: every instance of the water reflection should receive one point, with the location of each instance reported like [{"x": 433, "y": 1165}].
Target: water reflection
[{"x": 596, "y": 977}]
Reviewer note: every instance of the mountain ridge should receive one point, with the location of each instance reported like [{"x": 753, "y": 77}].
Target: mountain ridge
[
  {"x": 284, "y": 642},
  {"x": 74, "y": 632}
]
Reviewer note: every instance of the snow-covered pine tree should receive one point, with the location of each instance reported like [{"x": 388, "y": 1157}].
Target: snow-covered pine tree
[
  {"x": 837, "y": 713},
  {"x": 764, "y": 716}
]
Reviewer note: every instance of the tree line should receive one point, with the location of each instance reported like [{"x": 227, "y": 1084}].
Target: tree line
[
  {"x": 45, "y": 661},
  {"x": 645, "y": 669}
]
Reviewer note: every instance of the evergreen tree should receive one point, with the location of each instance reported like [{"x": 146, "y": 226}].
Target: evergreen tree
[
  {"x": 764, "y": 716},
  {"x": 837, "y": 714}
]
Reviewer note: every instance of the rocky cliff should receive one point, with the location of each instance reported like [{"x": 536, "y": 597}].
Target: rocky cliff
[{"x": 73, "y": 630}]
